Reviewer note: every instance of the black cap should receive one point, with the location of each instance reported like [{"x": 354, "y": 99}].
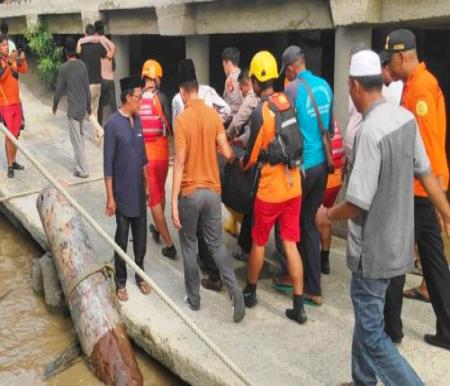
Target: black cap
[
  {"x": 384, "y": 57},
  {"x": 70, "y": 46},
  {"x": 186, "y": 71},
  {"x": 130, "y": 83},
  {"x": 400, "y": 40},
  {"x": 291, "y": 55}
]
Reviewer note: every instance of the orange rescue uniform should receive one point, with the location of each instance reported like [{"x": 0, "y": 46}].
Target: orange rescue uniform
[
  {"x": 155, "y": 128},
  {"x": 276, "y": 184},
  {"x": 423, "y": 97}
]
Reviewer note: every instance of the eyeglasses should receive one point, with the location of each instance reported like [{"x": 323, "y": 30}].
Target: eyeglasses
[{"x": 138, "y": 97}]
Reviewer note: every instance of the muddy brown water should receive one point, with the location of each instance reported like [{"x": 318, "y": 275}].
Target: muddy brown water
[{"x": 30, "y": 337}]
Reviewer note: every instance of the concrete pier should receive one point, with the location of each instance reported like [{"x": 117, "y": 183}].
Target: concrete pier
[
  {"x": 197, "y": 49},
  {"x": 269, "y": 348},
  {"x": 345, "y": 39}
]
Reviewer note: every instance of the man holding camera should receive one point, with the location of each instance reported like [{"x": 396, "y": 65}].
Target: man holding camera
[{"x": 10, "y": 106}]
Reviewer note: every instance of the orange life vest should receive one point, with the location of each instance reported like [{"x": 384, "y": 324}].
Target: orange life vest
[{"x": 154, "y": 122}]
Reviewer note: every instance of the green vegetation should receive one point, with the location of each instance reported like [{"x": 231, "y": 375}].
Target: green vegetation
[{"x": 48, "y": 56}]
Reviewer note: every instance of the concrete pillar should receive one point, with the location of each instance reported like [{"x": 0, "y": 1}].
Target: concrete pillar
[
  {"x": 345, "y": 39},
  {"x": 197, "y": 49},
  {"x": 32, "y": 21},
  {"x": 122, "y": 61}
]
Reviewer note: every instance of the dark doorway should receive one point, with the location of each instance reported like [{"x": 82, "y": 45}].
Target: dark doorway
[
  {"x": 166, "y": 50},
  {"x": 318, "y": 46}
]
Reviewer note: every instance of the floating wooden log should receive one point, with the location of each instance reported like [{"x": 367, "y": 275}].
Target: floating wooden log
[{"x": 100, "y": 331}]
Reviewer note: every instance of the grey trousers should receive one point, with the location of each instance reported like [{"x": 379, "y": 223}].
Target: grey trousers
[
  {"x": 203, "y": 208},
  {"x": 76, "y": 137}
]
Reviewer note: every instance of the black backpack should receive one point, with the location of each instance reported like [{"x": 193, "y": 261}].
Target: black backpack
[{"x": 287, "y": 146}]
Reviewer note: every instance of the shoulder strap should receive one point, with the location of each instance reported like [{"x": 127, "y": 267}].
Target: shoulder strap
[
  {"x": 160, "y": 109},
  {"x": 314, "y": 103}
]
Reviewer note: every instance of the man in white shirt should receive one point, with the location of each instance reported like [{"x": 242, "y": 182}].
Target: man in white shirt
[{"x": 211, "y": 98}]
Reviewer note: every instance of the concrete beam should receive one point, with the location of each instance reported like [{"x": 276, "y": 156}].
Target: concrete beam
[
  {"x": 132, "y": 22},
  {"x": 63, "y": 24},
  {"x": 362, "y": 12},
  {"x": 175, "y": 20},
  {"x": 44, "y": 7},
  {"x": 425, "y": 11},
  {"x": 345, "y": 40},
  {"x": 197, "y": 48},
  {"x": 261, "y": 16}
]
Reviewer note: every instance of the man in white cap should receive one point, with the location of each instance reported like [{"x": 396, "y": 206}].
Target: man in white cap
[{"x": 388, "y": 153}]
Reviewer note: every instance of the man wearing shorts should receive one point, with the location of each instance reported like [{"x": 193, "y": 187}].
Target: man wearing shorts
[
  {"x": 155, "y": 115},
  {"x": 278, "y": 197},
  {"x": 10, "y": 105}
]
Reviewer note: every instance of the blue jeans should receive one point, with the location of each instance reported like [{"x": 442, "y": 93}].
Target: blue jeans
[{"x": 373, "y": 353}]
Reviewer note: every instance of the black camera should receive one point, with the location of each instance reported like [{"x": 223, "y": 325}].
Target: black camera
[{"x": 21, "y": 46}]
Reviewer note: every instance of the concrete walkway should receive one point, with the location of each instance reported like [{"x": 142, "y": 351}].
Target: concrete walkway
[{"x": 269, "y": 348}]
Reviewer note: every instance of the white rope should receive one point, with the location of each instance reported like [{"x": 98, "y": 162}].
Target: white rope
[
  {"x": 203, "y": 337},
  {"x": 34, "y": 191}
]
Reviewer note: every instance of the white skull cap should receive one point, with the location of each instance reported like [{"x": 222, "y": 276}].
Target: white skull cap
[{"x": 365, "y": 63}]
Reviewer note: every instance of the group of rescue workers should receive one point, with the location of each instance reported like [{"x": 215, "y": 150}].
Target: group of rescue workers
[{"x": 276, "y": 160}]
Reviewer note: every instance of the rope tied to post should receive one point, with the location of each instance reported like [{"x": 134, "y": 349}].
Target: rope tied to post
[
  {"x": 106, "y": 269},
  {"x": 130, "y": 262}
]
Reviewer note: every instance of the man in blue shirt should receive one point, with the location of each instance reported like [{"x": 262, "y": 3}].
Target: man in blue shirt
[
  {"x": 314, "y": 168},
  {"x": 125, "y": 168}
]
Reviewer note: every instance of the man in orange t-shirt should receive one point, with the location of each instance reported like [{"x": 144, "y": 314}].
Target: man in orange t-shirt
[
  {"x": 423, "y": 97},
  {"x": 278, "y": 196},
  {"x": 196, "y": 189},
  {"x": 10, "y": 105}
]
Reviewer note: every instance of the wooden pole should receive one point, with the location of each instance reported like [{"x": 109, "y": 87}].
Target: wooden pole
[{"x": 98, "y": 325}]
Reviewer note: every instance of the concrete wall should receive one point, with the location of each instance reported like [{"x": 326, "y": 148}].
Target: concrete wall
[
  {"x": 262, "y": 16},
  {"x": 16, "y": 24},
  {"x": 63, "y": 24},
  {"x": 132, "y": 22}
]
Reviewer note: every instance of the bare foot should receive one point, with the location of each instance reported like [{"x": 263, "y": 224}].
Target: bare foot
[
  {"x": 122, "y": 294},
  {"x": 144, "y": 287},
  {"x": 315, "y": 299}
]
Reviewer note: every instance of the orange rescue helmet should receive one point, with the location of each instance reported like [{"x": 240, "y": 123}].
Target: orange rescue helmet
[{"x": 151, "y": 69}]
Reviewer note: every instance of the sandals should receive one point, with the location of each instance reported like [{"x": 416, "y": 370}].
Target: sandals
[
  {"x": 279, "y": 285},
  {"x": 415, "y": 294},
  {"x": 312, "y": 300}
]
